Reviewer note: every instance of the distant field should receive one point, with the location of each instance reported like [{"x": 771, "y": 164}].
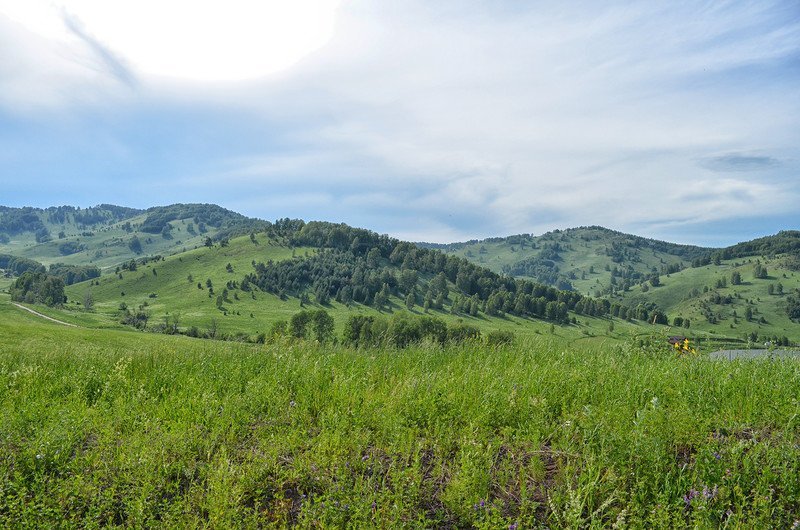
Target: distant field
[{"x": 123, "y": 428}]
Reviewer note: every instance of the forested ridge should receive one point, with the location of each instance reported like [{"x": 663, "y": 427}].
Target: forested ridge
[{"x": 359, "y": 266}]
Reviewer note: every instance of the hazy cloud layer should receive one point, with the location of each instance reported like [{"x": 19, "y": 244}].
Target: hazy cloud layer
[{"x": 439, "y": 121}]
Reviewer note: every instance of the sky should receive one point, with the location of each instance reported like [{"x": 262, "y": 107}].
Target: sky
[{"x": 430, "y": 121}]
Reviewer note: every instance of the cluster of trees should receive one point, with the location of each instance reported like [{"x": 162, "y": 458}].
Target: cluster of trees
[
  {"x": 403, "y": 330},
  {"x": 102, "y": 213},
  {"x": 74, "y": 273},
  {"x": 70, "y": 247},
  {"x": 774, "y": 339},
  {"x": 542, "y": 269},
  {"x": 27, "y": 219},
  {"x": 207, "y": 214},
  {"x": 134, "y": 264},
  {"x": 357, "y": 265},
  {"x": 135, "y": 244},
  {"x": 38, "y": 288},
  {"x": 137, "y": 319},
  {"x": 349, "y": 278},
  {"x": 623, "y": 247},
  {"x": 679, "y": 322},
  {"x": 784, "y": 242},
  {"x": 760, "y": 271},
  {"x": 793, "y": 307},
  {"x": 14, "y": 265},
  {"x": 18, "y": 220}
]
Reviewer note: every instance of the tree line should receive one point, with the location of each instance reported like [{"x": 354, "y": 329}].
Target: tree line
[{"x": 355, "y": 265}]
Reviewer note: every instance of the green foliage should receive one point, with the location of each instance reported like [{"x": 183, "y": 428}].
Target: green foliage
[
  {"x": 38, "y": 288},
  {"x": 16, "y": 265},
  {"x": 74, "y": 273},
  {"x": 135, "y": 245},
  {"x": 784, "y": 242},
  {"x": 321, "y": 323},
  {"x": 760, "y": 271},
  {"x": 208, "y": 214},
  {"x": 136, "y": 319},
  {"x": 402, "y": 331},
  {"x": 793, "y": 307},
  {"x": 354, "y": 268},
  {"x": 70, "y": 247}
]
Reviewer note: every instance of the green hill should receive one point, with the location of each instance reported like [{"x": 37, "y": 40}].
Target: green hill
[
  {"x": 176, "y": 289},
  {"x": 106, "y": 235},
  {"x": 730, "y": 298},
  {"x": 578, "y": 258},
  {"x": 203, "y": 270},
  {"x": 683, "y": 281}
]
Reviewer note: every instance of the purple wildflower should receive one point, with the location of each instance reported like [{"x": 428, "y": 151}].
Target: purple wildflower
[
  {"x": 796, "y": 524},
  {"x": 689, "y": 496},
  {"x": 374, "y": 505},
  {"x": 365, "y": 458},
  {"x": 717, "y": 456},
  {"x": 482, "y": 503},
  {"x": 512, "y": 526}
]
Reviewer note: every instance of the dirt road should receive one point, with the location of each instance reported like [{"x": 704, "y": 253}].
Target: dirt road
[{"x": 38, "y": 314}]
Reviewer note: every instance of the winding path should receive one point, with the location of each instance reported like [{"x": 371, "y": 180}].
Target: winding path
[{"x": 38, "y": 314}]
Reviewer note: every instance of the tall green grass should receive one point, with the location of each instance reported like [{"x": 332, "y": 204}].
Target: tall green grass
[{"x": 107, "y": 428}]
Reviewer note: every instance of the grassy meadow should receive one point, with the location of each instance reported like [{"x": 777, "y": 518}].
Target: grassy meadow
[{"x": 117, "y": 428}]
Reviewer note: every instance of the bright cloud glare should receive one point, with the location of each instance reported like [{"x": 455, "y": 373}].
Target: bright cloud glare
[{"x": 197, "y": 40}]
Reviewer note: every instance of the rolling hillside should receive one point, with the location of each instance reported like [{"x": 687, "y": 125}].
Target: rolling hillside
[
  {"x": 729, "y": 298},
  {"x": 582, "y": 259},
  {"x": 106, "y": 235},
  {"x": 174, "y": 290},
  {"x": 192, "y": 273}
]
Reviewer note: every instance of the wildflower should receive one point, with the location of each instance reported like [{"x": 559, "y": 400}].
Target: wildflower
[
  {"x": 365, "y": 458},
  {"x": 482, "y": 503},
  {"x": 717, "y": 455},
  {"x": 374, "y": 505},
  {"x": 512, "y": 526},
  {"x": 689, "y": 496}
]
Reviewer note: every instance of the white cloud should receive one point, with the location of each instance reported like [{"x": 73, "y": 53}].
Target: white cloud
[{"x": 524, "y": 118}]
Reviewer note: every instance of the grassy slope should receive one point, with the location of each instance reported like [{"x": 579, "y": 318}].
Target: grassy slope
[
  {"x": 107, "y": 247},
  {"x": 118, "y": 428},
  {"x": 177, "y": 296},
  {"x": 583, "y": 248},
  {"x": 674, "y": 296}
]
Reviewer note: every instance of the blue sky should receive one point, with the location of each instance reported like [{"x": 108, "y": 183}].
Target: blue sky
[{"x": 436, "y": 121}]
